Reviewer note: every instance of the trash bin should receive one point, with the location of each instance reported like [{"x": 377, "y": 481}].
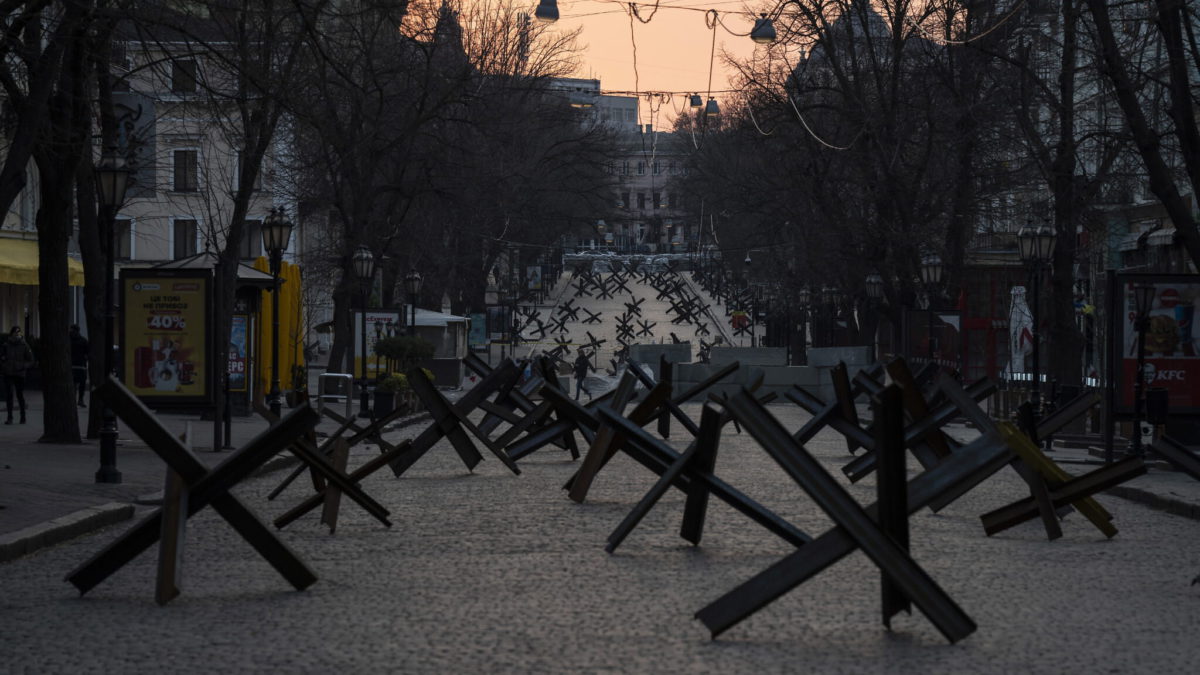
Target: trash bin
[{"x": 1156, "y": 405}]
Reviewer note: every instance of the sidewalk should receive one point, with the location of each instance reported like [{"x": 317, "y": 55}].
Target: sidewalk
[{"x": 48, "y": 492}]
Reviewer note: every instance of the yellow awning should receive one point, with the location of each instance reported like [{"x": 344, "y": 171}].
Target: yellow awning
[{"x": 19, "y": 264}]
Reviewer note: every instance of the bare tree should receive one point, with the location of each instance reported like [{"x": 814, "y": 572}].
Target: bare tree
[{"x": 1164, "y": 142}]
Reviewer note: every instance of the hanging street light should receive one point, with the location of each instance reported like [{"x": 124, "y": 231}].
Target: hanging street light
[
  {"x": 763, "y": 32},
  {"x": 547, "y": 10},
  {"x": 112, "y": 178},
  {"x": 276, "y": 233},
  {"x": 364, "y": 269}
]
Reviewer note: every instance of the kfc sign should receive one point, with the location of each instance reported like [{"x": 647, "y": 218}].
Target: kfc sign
[{"x": 1170, "y": 343}]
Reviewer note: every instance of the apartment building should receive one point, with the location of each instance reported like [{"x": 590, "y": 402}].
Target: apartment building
[{"x": 181, "y": 137}]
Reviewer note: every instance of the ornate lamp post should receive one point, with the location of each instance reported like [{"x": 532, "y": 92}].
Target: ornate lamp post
[
  {"x": 1143, "y": 302},
  {"x": 1036, "y": 246},
  {"x": 874, "y": 284},
  {"x": 112, "y": 177},
  {"x": 276, "y": 233},
  {"x": 829, "y": 297},
  {"x": 804, "y": 297},
  {"x": 412, "y": 284},
  {"x": 378, "y": 336},
  {"x": 364, "y": 269},
  {"x": 931, "y": 276}
]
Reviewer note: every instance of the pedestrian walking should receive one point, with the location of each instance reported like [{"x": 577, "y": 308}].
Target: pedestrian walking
[
  {"x": 582, "y": 365},
  {"x": 17, "y": 357},
  {"x": 79, "y": 362}
]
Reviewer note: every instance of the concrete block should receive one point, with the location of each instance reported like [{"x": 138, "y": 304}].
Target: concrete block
[
  {"x": 786, "y": 376},
  {"x": 748, "y": 356},
  {"x": 650, "y": 353},
  {"x": 829, "y": 356}
]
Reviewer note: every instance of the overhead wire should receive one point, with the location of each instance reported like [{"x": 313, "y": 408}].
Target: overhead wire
[{"x": 946, "y": 41}]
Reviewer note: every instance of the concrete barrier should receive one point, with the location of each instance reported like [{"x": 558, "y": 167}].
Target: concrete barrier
[
  {"x": 748, "y": 356},
  {"x": 776, "y": 379},
  {"x": 649, "y": 353},
  {"x": 855, "y": 358}
]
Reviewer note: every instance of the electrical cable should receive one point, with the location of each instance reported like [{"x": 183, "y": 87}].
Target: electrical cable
[{"x": 945, "y": 41}]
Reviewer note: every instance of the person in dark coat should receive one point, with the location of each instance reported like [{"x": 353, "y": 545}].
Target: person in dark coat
[
  {"x": 15, "y": 360},
  {"x": 581, "y": 367},
  {"x": 79, "y": 362}
]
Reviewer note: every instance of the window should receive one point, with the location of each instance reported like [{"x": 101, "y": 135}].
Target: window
[
  {"x": 657, "y": 199},
  {"x": 121, "y": 65},
  {"x": 609, "y": 168},
  {"x": 624, "y": 200},
  {"x": 183, "y": 76},
  {"x": 655, "y": 168},
  {"x": 251, "y": 246},
  {"x": 187, "y": 166},
  {"x": 123, "y": 234},
  {"x": 641, "y": 166},
  {"x": 237, "y": 175},
  {"x": 625, "y": 168},
  {"x": 641, "y": 200},
  {"x": 672, "y": 168},
  {"x": 185, "y": 233}
]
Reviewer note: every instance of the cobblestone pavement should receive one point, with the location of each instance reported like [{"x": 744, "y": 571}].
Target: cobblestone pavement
[{"x": 490, "y": 572}]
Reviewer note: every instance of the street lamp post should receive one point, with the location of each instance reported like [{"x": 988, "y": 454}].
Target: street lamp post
[
  {"x": 378, "y": 337},
  {"x": 829, "y": 297},
  {"x": 931, "y": 276},
  {"x": 364, "y": 269},
  {"x": 112, "y": 177},
  {"x": 412, "y": 284},
  {"x": 874, "y": 286},
  {"x": 1143, "y": 300},
  {"x": 1036, "y": 246},
  {"x": 804, "y": 296},
  {"x": 276, "y": 233}
]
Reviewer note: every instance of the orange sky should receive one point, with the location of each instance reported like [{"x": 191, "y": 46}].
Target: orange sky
[{"x": 672, "y": 49}]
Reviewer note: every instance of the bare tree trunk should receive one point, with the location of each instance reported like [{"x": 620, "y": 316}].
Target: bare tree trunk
[
  {"x": 1065, "y": 341},
  {"x": 54, "y": 293},
  {"x": 93, "y": 251}
]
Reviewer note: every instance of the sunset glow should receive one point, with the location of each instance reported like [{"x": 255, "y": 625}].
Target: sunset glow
[{"x": 672, "y": 50}]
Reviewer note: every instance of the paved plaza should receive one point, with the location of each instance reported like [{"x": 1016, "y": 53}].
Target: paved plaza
[
  {"x": 488, "y": 572},
  {"x": 491, "y": 572}
]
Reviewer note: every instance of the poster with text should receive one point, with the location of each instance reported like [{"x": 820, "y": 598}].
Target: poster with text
[
  {"x": 478, "y": 337},
  {"x": 1172, "y": 341},
  {"x": 379, "y": 324},
  {"x": 238, "y": 350},
  {"x": 534, "y": 274},
  {"x": 165, "y": 335}
]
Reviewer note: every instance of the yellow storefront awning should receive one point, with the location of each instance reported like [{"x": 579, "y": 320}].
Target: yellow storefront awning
[{"x": 19, "y": 264}]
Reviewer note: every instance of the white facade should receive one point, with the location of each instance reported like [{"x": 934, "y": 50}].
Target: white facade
[{"x": 182, "y": 142}]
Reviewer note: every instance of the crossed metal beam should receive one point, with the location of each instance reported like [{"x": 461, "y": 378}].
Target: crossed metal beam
[{"x": 193, "y": 487}]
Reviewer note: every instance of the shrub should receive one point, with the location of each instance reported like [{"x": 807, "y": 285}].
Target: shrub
[
  {"x": 404, "y": 352},
  {"x": 392, "y": 384}
]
